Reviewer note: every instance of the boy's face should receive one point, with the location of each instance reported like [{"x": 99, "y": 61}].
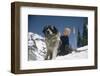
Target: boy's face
[{"x": 66, "y": 32}]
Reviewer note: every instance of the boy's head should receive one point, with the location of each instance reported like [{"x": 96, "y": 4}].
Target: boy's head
[{"x": 67, "y": 31}]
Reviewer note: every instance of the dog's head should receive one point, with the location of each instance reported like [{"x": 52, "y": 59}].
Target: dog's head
[{"x": 50, "y": 30}]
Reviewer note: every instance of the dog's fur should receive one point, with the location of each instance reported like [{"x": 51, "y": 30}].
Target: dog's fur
[{"x": 52, "y": 39}]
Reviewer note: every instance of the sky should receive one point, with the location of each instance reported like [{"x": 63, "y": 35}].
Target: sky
[{"x": 37, "y": 22}]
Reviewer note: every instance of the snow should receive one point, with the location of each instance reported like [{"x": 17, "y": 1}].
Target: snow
[
  {"x": 36, "y": 47},
  {"x": 74, "y": 55},
  {"x": 82, "y": 54},
  {"x": 34, "y": 36},
  {"x": 82, "y": 48}
]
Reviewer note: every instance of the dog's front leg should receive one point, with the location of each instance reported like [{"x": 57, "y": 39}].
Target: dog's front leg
[
  {"x": 54, "y": 54},
  {"x": 49, "y": 55},
  {"x": 55, "y": 50},
  {"x": 46, "y": 58}
]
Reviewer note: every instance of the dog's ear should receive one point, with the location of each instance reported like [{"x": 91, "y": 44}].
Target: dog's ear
[
  {"x": 52, "y": 27},
  {"x": 55, "y": 29},
  {"x": 44, "y": 28}
]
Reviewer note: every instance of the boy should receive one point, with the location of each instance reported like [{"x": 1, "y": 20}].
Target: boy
[{"x": 65, "y": 47}]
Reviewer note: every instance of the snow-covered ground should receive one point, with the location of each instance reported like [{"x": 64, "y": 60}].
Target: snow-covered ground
[
  {"x": 82, "y": 48},
  {"x": 81, "y": 53}
]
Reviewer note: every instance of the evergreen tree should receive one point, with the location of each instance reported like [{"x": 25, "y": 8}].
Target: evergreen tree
[
  {"x": 85, "y": 33},
  {"x": 79, "y": 39}
]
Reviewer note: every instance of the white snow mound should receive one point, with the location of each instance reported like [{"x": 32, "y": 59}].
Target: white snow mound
[
  {"x": 82, "y": 54},
  {"x": 36, "y": 47}
]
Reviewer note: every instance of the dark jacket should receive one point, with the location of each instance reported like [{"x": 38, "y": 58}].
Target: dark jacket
[
  {"x": 64, "y": 40},
  {"x": 64, "y": 46}
]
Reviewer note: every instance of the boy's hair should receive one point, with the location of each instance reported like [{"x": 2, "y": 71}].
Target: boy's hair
[{"x": 68, "y": 29}]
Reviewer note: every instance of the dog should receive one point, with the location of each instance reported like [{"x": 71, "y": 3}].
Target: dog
[{"x": 52, "y": 39}]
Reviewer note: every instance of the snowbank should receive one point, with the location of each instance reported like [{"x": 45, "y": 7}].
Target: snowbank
[
  {"x": 82, "y": 48},
  {"x": 36, "y": 47},
  {"x": 82, "y": 54}
]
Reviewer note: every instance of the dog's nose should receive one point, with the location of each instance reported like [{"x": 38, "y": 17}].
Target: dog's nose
[{"x": 48, "y": 32}]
